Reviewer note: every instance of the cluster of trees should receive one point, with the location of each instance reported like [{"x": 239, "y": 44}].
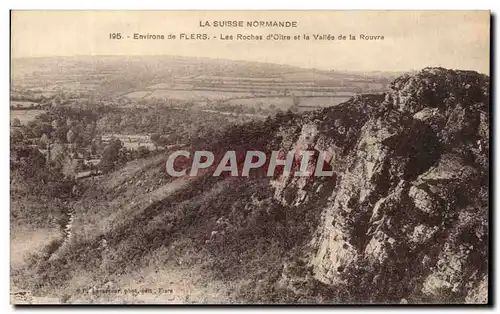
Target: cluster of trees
[
  {"x": 115, "y": 154},
  {"x": 27, "y": 95},
  {"x": 257, "y": 108},
  {"x": 166, "y": 125},
  {"x": 39, "y": 97},
  {"x": 41, "y": 177},
  {"x": 68, "y": 132},
  {"x": 63, "y": 125},
  {"x": 75, "y": 130}
]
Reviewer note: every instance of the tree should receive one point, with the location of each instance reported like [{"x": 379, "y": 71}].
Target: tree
[
  {"x": 143, "y": 152},
  {"x": 110, "y": 155},
  {"x": 61, "y": 133},
  {"x": 55, "y": 124},
  {"x": 56, "y": 101},
  {"x": 44, "y": 141},
  {"x": 159, "y": 140},
  {"x": 88, "y": 133},
  {"x": 71, "y": 136},
  {"x": 16, "y": 136},
  {"x": 155, "y": 138},
  {"x": 37, "y": 128},
  {"x": 16, "y": 122}
]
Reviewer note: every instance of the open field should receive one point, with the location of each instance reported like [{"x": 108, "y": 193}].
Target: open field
[
  {"x": 138, "y": 95},
  {"x": 136, "y": 145},
  {"x": 25, "y": 116},
  {"x": 322, "y": 101},
  {"x": 197, "y": 94},
  {"x": 308, "y": 89},
  {"x": 131, "y": 141},
  {"x": 126, "y": 137},
  {"x": 279, "y": 102},
  {"x": 23, "y": 104},
  {"x": 27, "y": 241},
  {"x": 285, "y": 103}
]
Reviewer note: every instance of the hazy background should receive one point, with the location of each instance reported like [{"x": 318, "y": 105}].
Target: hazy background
[{"x": 413, "y": 39}]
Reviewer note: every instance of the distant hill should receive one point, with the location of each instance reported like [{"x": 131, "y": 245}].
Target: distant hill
[{"x": 112, "y": 76}]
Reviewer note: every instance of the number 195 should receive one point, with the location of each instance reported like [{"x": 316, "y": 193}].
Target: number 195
[{"x": 115, "y": 35}]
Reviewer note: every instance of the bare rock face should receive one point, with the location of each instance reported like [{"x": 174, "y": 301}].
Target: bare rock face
[
  {"x": 306, "y": 141},
  {"x": 406, "y": 213},
  {"x": 479, "y": 294},
  {"x": 438, "y": 88}
]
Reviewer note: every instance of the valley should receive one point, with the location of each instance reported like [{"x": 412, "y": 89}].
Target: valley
[{"x": 408, "y": 190}]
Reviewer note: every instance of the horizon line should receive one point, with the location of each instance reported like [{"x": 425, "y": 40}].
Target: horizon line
[{"x": 394, "y": 72}]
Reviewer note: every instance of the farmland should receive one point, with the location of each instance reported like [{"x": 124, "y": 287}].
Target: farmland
[
  {"x": 195, "y": 95},
  {"x": 23, "y": 104},
  {"x": 305, "y": 90},
  {"x": 286, "y": 102},
  {"x": 25, "y": 116},
  {"x": 139, "y": 81}
]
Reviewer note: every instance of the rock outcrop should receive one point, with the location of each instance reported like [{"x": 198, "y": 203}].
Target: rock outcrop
[{"x": 406, "y": 214}]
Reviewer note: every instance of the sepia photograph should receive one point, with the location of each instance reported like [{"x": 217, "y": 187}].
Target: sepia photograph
[{"x": 249, "y": 157}]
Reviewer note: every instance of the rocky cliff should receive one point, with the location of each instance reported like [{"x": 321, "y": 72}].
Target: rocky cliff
[{"x": 405, "y": 217}]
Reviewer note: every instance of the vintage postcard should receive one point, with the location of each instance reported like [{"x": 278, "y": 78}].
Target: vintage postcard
[{"x": 249, "y": 157}]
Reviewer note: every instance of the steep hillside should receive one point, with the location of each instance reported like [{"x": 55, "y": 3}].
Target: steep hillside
[
  {"x": 407, "y": 216},
  {"x": 403, "y": 219}
]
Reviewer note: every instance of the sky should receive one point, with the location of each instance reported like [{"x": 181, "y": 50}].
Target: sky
[{"x": 412, "y": 39}]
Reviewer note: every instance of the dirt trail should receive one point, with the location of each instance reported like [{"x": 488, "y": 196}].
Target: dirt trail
[{"x": 67, "y": 226}]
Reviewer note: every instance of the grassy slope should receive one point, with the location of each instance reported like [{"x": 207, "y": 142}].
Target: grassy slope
[{"x": 221, "y": 232}]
